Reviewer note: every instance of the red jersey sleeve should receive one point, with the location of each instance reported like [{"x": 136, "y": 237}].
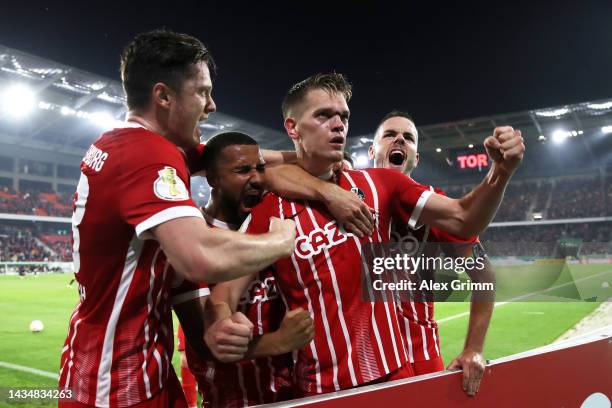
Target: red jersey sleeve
[
  {"x": 194, "y": 160},
  {"x": 184, "y": 290},
  {"x": 154, "y": 187},
  {"x": 409, "y": 197}
]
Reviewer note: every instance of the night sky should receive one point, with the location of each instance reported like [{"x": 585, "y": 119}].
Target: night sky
[{"x": 439, "y": 62}]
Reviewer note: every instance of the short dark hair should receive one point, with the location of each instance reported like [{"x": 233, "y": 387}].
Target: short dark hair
[
  {"x": 395, "y": 114},
  {"x": 159, "y": 56},
  {"x": 217, "y": 143},
  {"x": 332, "y": 83}
]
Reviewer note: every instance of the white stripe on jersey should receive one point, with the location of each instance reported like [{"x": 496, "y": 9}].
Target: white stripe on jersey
[
  {"x": 374, "y": 324},
  {"x": 313, "y": 347},
  {"x": 77, "y": 217},
  {"x": 330, "y": 341},
  {"x": 332, "y": 272},
  {"x": 393, "y": 309},
  {"x": 410, "y": 352},
  {"x": 416, "y": 212},
  {"x": 146, "y": 325},
  {"x": 166, "y": 215},
  {"x": 104, "y": 370},
  {"x": 69, "y": 345}
]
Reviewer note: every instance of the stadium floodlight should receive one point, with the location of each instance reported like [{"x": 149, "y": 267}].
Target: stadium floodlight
[
  {"x": 438, "y": 150},
  {"x": 103, "y": 119},
  {"x": 605, "y": 105},
  {"x": 552, "y": 113},
  {"x": 362, "y": 160},
  {"x": 559, "y": 136},
  {"x": 471, "y": 146},
  {"x": 606, "y": 129},
  {"x": 541, "y": 138},
  {"x": 18, "y": 100}
]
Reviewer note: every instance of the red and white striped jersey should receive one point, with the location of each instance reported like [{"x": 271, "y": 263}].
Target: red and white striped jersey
[
  {"x": 418, "y": 324},
  {"x": 119, "y": 346},
  {"x": 248, "y": 382},
  {"x": 356, "y": 341}
]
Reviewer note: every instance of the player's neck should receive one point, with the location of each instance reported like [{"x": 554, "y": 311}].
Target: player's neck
[
  {"x": 146, "y": 120},
  {"x": 221, "y": 211},
  {"x": 316, "y": 167}
]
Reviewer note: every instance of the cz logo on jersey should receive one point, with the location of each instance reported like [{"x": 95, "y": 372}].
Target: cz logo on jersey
[
  {"x": 319, "y": 239},
  {"x": 260, "y": 291},
  {"x": 359, "y": 193},
  {"x": 169, "y": 186}
]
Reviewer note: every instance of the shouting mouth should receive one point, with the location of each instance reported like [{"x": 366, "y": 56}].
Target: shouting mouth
[
  {"x": 250, "y": 199},
  {"x": 397, "y": 157}
]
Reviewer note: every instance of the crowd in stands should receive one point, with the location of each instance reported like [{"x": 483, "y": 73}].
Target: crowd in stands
[
  {"x": 554, "y": 199},
  {"x": 541, "y": 240},
  {"x": 25, "y": 244},
  {"x": 35, "y": 203}
]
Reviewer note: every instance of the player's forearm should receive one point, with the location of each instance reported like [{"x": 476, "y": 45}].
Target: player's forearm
[
  {"x": 230, "y": 255},
  {"x": 480, "y": 205},
  {"x": 293, "y": 182},
  {"x": 480, "y": 316},
  {"x": 270, "y": 344},
  {"x": 275, "y": 157}
]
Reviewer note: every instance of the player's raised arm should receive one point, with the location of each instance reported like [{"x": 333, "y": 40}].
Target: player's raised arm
[
  {"x": 202, "y": 255},
  {"x": 293, "y": 182},
  {"x": 471, "y": 214}
]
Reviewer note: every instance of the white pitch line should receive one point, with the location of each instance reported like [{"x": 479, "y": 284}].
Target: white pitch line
[
  {"x": 30, "y": 370},
  {"x": 497, "y": 304}
]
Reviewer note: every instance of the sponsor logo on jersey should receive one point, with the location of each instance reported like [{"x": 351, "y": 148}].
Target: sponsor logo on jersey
[
  {"x": 169, "y": 185},
  {"x": 260, "y": 291},
  {"x": 318, "y": 239},
  {"x": 359, "y": 193}
]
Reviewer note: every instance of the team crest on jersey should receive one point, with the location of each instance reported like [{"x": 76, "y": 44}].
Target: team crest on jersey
[
  {"x": 169, "y": 185},
  {"x": 359, "y": 193}
]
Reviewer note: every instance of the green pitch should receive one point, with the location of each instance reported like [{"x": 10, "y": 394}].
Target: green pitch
[{"x": 515, "y": 327}]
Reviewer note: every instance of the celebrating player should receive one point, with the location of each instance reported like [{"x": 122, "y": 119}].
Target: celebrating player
[
  {"x": 356, "y": 342},
  {"x": 237, "y": 175},
  {"x": 395, "y": 147}
]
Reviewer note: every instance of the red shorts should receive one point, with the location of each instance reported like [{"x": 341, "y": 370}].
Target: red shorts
[
  {"x": 171, "y": 396},
  {"x": 428, "y": 366},
  {"x": 400, "y": 373}
]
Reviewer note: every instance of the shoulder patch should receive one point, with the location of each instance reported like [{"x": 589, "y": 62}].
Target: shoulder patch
[{"x": 169, "y": 186}]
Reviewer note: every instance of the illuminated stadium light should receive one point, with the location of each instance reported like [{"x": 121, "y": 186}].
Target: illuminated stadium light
[
  {"x": 536, "y": 216},
  {"x": 362, "y": 160},
  {"x": 552, "y": 113},
  {"x": 65, "y": 110},
  {"x": 580, "y": 132},
  {"x": 44, "y": 105},
  {"x": 103, "y": 119},
  {"x": 365, "y": 140},
  {"x": 605, "y": 105},
  {"x": 471, "y": 146},
  {"x": 541, "y": 138},
  {"x": 18, "y": 101},
  {"x": 438, "y": 150},
  {"x": 560, "y": 135},
  {"x": 606, "y": 129}
]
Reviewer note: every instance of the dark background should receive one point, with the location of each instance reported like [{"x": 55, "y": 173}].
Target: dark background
[{"x": 441, "y": 62}]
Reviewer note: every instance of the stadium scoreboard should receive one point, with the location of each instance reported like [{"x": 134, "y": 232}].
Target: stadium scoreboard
[{"x": 471, "y": 160}]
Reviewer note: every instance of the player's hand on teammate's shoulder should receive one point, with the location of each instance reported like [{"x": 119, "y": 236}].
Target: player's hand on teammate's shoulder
[
  {"x": 505, "y": 147},
  {"x": 349, "y": 210},
  {"x": 285, "y": 230},
  {"x": 296, "y": 329},
  {"x": 228, "y": 339},
  {"x": 473, "y": 365}
]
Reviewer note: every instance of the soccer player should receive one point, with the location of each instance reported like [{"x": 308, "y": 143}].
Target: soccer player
[
  {"x": 395, "y": 146},
  {"x": 237, "y": 175},
  {"x": 133, "y": 215},
  {"x": 356, "y": 342}
]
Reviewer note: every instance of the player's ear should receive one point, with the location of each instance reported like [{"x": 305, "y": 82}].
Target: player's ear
[
  {"x": 291, "y": 128},
  {"x": 161, "y": 94},
  {"x": 371, "y": 152},
  {"x": 416, "y": 159}
]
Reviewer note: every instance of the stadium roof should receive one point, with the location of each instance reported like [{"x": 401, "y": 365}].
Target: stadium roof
[{"x": 69, "y": 108}]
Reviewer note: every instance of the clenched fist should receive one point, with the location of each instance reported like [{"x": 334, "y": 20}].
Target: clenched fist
[
  {"x": 296, "y": 330},
  {"x": 506, "y": 148},
  {"x": 229, "y": 338}
]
